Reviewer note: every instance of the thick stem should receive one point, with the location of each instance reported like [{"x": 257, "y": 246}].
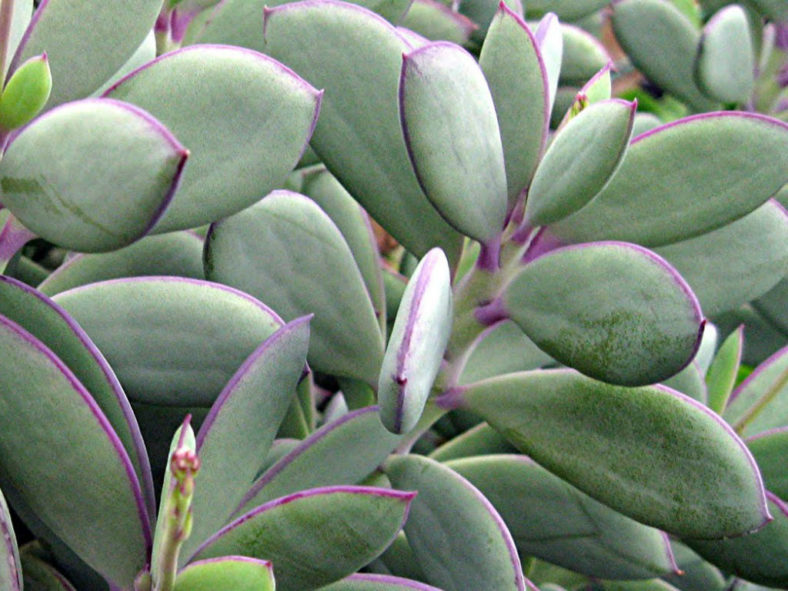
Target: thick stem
[{"x": 6, "y": 16}]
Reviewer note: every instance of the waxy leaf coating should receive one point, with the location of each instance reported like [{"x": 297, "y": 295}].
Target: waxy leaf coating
[
  {"x": 580, "y": 161},
  {"x": 255, "y": 251},
  {"x": 451, "y": 131},
  {"x": 643, "y": 331},
  {"x": 59, "y": 450},
  {"x": 650, "y": 453},
  {"x": 515, "y": 71},
  {"x": 86, "y": 42},
  {"x": 458, "y": 537},
  {"x": 660, "y": 196},
  {"x": 228, "y": 573},
  {"x": 316, "y": 536},
  {"x": 26, "y": 93},
  {"x": 354, "y": 53},
  {"x": 723, "y": 370},
  {"x": 245, "y": 118},
  {"x": 417, "y": 344},
  {"x": 10, "y": 566},
  {"x": 237, "y": 434},
  {"x": 171, "y": 340},
  {"x": 128, "y": 163},
  {"x": 551, "y": 519},
  {"x": 770, "y": 449},
  {"x": 373, "y": 582}
]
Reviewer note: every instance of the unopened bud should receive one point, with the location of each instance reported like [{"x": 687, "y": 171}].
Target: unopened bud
[{"x": 26, "y": 93}]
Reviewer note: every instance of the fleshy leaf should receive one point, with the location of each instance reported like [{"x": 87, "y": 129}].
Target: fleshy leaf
[
  {"x": 445, "y": 101},
  {"x": 228, "y": 573},
  {"x": 583, "y": 55},
  {"x": 10, "y": 565},
  {"x": 46, "y": 459},
  {"x": 480, "y": 440},
  {"x": 569, "y": 10},
  {"x": 341, "y": 452},
  {"x": 373, "y": 582},
  {"x": 758, "y": 557},
  {"x": 771, "y": 305},
  {"x": 580, "y": 161},
  {"x": 417, "y": 344},
  {"x": 145, "y": 53},
  {"x": 129, "y": 167},
  {"x": 551, "y": 46},
  {"x": 725, "y": 64},
  {"x": 50, "y": 324},
  {"x": 42, "y": 576},
  {"x": 351, "y": 219},
  {"x": 770, "y": 450},
  {"x": 437, "y": 21},
  {"x": 659, "y": 196},
  {"x": 695, "y": 573},
  {"x": 651, "y": 453},
  {"x": 644, "y": 331},
  {"x": 254, "y": 251},
  {"x": 176, "y": 253},
  {"x": 20, "y": 19},
  {"x": 85, "y": 42},
  {"x": 352, "y": 52},
  {"x": 723, "y": 370},
  {"x": 513, "y": 65},
  {"x": 239, "y": 430},
  {"x": 458, "y": 537},
  {"x": 662, "y": 44},
  {"x": 760, "y": 402},
  {"x": 26, "y": 93},
  {"x": 317, "y": 536},
  {"x": 255, "y": 118},
  {"x": 170, "y": 340},
  {"x": 736, "y": 263},
  {"x": 552, "y": 520},
  {"x": 690, "y": 381}
]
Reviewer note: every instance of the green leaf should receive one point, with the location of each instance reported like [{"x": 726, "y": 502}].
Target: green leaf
[
  {"x": 341, "y": 452},
  {"x": 480, "y": 440},
  {"x": 660, "y": 195},
  {"x": 583, "y": 55},
  {"x": 317, "y": 536},
  {"x": 351, "y": 219},
  {"x": 690, "y": 381},
  {"x": 42, "y": 576},
  {"x": 451, "y": 132},
  {"x": 771, "y": 305},
  {"x": 86, "y": 42},
  {"x": 372, "y": 582},
  {"x": 145, "y": 53},
  {"x": 352, "y": 53},
  {"x": 255, "y": 251},
  {"x": 20, "y": 19},
  {"x": 229, "y": 573},
  {"x": 650, "y": 453},
  {"x": 552, "y": 520},
  {"x": 723, "y": 370},
  {"x": 758, "y": 557},
  {"x": 50, "y": 324},
  {"x": 238, "y": 432},
  {"x": 696, "y": 573},
  {"x": 10, "y": 566},
  {"x": 770, "y": 449},
  {"x": 551, "y": 47},
  {"x": 662, "y": 43},
  {"x": 171, "y": 341},
  {"x": 128, "y": 164},
  {"x": 725, "y": 64},
  {"x": 26, "y": 93},
  {"x": 761, "y": 401},
  {"x": 736, "y": 263},
  {"x": 255, "y": 118},
  {"x": 515, "y": 71},
  {"x": 176, "y": 253},
  {"x": 580, "y": 161},
  {"x": 568, "y": 10},
  {"x": 59, "y": 450},
  {"x": 437, "y": 21},
  {"x": 501, "y": 348},
  {"x": 457, "y": 536},
  {"x": 418, "y": 341},
  {"x": 644, "y": 331}
]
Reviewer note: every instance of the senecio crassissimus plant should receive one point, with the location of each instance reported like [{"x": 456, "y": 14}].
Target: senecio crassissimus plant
[{"x": 541, "y": 402}]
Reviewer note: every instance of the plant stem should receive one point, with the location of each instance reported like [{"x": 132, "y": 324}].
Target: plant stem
[
  {"x": 13, "y": 236},
  {"x": 756, "y": 409}
]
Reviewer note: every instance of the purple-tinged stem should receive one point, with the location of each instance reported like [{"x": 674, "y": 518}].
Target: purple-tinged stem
[{"x": 13, "y": 236}]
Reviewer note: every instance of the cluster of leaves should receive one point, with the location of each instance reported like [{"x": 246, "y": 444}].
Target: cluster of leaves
[{"x": 531, "y": 394}]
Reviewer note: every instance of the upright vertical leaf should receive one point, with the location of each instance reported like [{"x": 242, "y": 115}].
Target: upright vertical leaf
[
  {"x": 417, "y": 344},
  {"x": 445, "y": 103},
  {"x": 723, "y": 370},
  {"x": 551, "y": 46},
  {"x": 10, "y": 566},
  {"x": 514, "y": 68}
]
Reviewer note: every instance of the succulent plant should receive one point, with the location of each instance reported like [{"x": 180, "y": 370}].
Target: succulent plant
[{"x": 527, "y": 393}]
